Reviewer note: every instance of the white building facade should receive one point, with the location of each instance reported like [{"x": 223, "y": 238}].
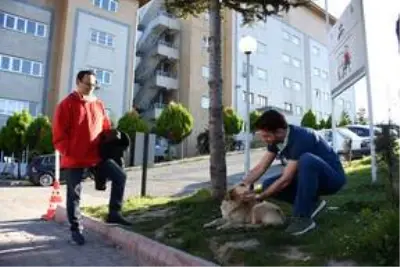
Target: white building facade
[{"x": 289, "y": 71}]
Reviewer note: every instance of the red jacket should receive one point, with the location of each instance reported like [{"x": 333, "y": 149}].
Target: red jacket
[{"x": 77, "y": 125}]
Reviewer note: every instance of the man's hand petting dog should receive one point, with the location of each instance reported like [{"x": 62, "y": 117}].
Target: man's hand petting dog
[{"x": 250, "y": 196}]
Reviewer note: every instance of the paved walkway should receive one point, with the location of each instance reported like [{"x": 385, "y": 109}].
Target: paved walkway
[{"x": 27, "y": 241}]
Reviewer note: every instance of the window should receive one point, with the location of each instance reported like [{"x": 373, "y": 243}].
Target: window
[
  {"x": 23, "y": 25},
  {"x": 299, "y": 110},
  {"x": 251, "y": 97},
  {"x": 324, "y": 74},
  {"x": 341, "y": 102},
  {"x": 286, "y": 58},
  {"x": 317, "y": 93},
  {"x": 205, "y": 102},
  {"x": 315, "y": 50},
  {"x": 296, "y": 86},
  {"x": 296, "y": 62},
  {"x": 262, "y": 101},
  {"x": 287, "y": 83},
  {"x": 102, "y": 38},
  {"x": 319, "y": 115},
  {"x": 326, "y": 96},
  {"x": 19, "y": 65},
  {"x": 9, "y": 106},
  {"x": 348, "y": 105},
  {"x": 295, "y": 40},
  {"x": 103, "y": 76},
  {"x": 286, "y": 35},
  {"x": 245, "y": 69},
  {"x": 206, "y": 42},
  {"x": 205, "y": 72},
  {"x": 262, "y": 74},
  {"x": 261, "y": 48},
  {"x": 109, "y": 5},
  {"x": 316, "y": 72},
  {"x": 288, "y": 107}
]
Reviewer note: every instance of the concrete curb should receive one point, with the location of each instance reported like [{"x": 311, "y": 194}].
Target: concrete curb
[
  {"x": 186, "y": 160},
  {"x": 146, "y": 251}
]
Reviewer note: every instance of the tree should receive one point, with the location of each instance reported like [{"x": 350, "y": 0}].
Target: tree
[
  {"x": 322, "y": 124},
  {"x": 328, "y": 123},
  {"x": 131, "y": 123},
  {"x": 175, "y": 123},
  {"x": 38, "y": 136},
  {"x": 251, "y": 11},
  {"x": 344, "y": 119},
  {"x": 254, "y": 115},
  {"x": 233, "y": 124},
  {"x": 309, "y": 120},
  {"x": 14, "y": 134},
  {"x": 361, "y": 119}
]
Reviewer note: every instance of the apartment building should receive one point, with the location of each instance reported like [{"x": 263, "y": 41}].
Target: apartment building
[
  {"x": 44, "y": 43},
  {"x": 289, "y": 70},
  {"x": 173, "y": 64}
]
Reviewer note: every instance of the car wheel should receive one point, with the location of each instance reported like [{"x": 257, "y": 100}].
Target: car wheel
[{"x": 46, "y": 179}]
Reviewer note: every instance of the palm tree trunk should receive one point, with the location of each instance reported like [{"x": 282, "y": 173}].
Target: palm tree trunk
[{"x": 217, "y": 140}]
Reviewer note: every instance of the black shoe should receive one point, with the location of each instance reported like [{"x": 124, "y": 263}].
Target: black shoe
[
  {"x": 118, "y": 219},
  {"x": 78, "y": 237},
  {"x": 300, "y": 225}
]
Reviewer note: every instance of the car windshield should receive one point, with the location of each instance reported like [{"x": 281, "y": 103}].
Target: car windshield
[{"x": 346, "y": 132}]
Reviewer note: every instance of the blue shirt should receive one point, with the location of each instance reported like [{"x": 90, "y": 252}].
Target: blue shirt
[{"x": 302, "y": 140}]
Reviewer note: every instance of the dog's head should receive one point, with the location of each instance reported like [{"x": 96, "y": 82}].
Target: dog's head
[
  {"x": 235, "y": 193},
  {"x": 232, "y": 199}
]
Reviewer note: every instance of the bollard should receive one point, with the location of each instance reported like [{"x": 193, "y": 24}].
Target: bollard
[{"x": 144, "y": 164}]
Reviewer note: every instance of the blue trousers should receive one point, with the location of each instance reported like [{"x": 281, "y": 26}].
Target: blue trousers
[
  {"x": 314, "y": 178},
  {"x": 74, "y": 177}
]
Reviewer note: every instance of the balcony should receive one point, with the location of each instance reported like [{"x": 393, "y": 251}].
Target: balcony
[
  {"x": 165, "y": 49},
  {"x": 166, "y": 80},
  {"x": 162, "y": 21},
  {"x": 154, "y": 111}
]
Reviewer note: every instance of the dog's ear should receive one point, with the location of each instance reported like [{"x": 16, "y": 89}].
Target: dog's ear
[{"x": 230, "y": 194}]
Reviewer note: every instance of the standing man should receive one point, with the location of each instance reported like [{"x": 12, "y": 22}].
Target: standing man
[
  {"x": 313, "y": 169},
  {"x": 79, "y": 120}
]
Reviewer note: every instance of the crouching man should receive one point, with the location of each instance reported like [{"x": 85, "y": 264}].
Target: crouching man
[{"x": 313, "y": 169}]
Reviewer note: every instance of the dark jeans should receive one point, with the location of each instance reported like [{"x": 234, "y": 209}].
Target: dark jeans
[
  {"x": 74, "y": 178},
  {"x": 314, "y": 178}
]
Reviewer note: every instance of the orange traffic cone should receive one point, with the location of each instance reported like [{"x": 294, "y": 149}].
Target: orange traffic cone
[{"x": 55, "y": 199}]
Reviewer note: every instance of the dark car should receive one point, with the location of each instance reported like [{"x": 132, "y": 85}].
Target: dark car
[{"x": 41, "y": 170}]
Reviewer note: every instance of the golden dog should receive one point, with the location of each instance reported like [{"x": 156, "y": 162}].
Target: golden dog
[{"x": 237, "y": 213}]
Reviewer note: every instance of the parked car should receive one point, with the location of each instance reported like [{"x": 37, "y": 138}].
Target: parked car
[
  {"x": 360, "y": 146},
  {"x": 41, "y": 170},
  {"x": 363, "y": 130}
]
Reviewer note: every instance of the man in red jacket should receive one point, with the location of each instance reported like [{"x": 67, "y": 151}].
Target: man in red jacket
[{"x": 79, "y": 120}]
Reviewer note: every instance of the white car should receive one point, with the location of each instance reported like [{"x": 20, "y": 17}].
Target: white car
[{"x": 360, "y": 146}]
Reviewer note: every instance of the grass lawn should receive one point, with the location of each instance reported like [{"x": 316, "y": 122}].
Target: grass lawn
[{"x": 359, "y": 225}]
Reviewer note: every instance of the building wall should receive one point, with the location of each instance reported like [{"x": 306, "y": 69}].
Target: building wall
[
  {"x": 24, "y": 84},
  {"x": 111, "y": 60},
  {"x": 78, "y": 53},
  {"x": 288, "y": 51},
  {"x": 67, "y": 48},
  {"x": 194, "y": 62}
]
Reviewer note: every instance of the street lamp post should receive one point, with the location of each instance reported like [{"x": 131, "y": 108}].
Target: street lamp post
[{"x": 247, "y": 45}]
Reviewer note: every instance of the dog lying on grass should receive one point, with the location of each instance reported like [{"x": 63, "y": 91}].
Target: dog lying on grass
[{"x": 237, "y": 214}]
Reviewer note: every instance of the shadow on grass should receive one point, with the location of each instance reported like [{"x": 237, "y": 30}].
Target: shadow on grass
[{"x": 179, "y": 222}]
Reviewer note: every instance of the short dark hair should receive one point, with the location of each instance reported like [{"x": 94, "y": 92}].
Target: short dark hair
[
  {"x": 83, "y": 73},
  {"x": 271, "y": 120}
]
